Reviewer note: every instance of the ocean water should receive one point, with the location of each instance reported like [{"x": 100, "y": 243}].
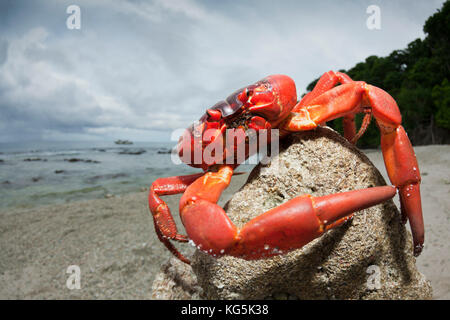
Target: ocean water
[
  {"x": 46, "y": 173},
  {"x": 41, "y": 173}
]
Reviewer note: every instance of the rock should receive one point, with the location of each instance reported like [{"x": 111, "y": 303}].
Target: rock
[
  {"x": 132, "y": 152},
  {"x": 175, "y": 282},
  {"x": 81, "y": 160},
  {"x": 123, "y": 142},
  {"x": 165, "y": 151},
  {"x": 369, "y": 257},
  {"x": 34, "y": 159},
  {"x": 280, "y": 296}
]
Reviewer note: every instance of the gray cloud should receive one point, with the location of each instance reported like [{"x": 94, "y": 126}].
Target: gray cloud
[{"x": 139, "y": 69}]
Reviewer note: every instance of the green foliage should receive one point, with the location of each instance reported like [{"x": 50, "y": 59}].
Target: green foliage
[
  {"x": 417, "y": 78},
  {"x": 441, "y": 99}
]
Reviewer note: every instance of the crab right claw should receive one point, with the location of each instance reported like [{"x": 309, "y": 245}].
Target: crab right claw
[{"x": 327, "y": 102}]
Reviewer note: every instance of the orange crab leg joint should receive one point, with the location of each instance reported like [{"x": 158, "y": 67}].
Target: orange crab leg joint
[
  {"x": 162, "y": 218},
  {"x": 403, "y": 171}
]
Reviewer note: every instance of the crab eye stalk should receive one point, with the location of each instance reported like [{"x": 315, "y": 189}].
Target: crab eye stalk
[
  {"x": 245, "y": 95},
  {"x": 214, "y": 114}
]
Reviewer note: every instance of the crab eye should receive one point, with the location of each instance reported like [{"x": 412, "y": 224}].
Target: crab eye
[
  {"x": 214, "y": 114},
  {"x": 248, "y": 92}
]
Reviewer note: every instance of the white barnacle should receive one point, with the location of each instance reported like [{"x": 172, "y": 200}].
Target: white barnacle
[
  {"x": 220, "y": 285},
  {"x": 192, "y": 243}
]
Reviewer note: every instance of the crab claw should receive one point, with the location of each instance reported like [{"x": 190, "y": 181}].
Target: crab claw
[
  {"x": 258, "y": 123},
  {"x": 273, "y": 97},
  {"x": 287, "y": 227},
  {"x": 190, "y": 144}
]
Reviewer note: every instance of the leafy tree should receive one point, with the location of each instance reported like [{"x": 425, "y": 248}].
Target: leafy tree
[
  {"x": 441, "y": 99},
  {"x": 417, "y": 78}
]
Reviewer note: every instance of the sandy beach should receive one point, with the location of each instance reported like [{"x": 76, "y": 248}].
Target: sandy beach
[{"x": 114, "y": 244}]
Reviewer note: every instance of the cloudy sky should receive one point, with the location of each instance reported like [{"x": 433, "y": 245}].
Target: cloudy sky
[{"x": 140, "y": 69}]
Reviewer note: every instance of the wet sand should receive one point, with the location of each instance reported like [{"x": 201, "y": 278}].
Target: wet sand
[{"x": 114, "y": 244}]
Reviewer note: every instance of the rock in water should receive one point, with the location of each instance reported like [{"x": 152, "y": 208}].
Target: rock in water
[{"x": 369, "y": 257}]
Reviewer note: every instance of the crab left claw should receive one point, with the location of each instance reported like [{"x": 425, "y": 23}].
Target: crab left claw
[{"x": 282, "y": 229}]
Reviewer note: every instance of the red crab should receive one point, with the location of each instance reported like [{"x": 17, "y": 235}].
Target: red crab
[{"x": 271, "y": 103}]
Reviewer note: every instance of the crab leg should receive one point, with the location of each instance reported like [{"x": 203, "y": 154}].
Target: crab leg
[
  {"x": 165, "y": 226},
  {"x": 403, "y": 171},
  {"x": 287, "y": 227},
  {"x": 399, "y": 157},
  {"x": 326, "y": 82},
  {"x": 162, "y": 218}
]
